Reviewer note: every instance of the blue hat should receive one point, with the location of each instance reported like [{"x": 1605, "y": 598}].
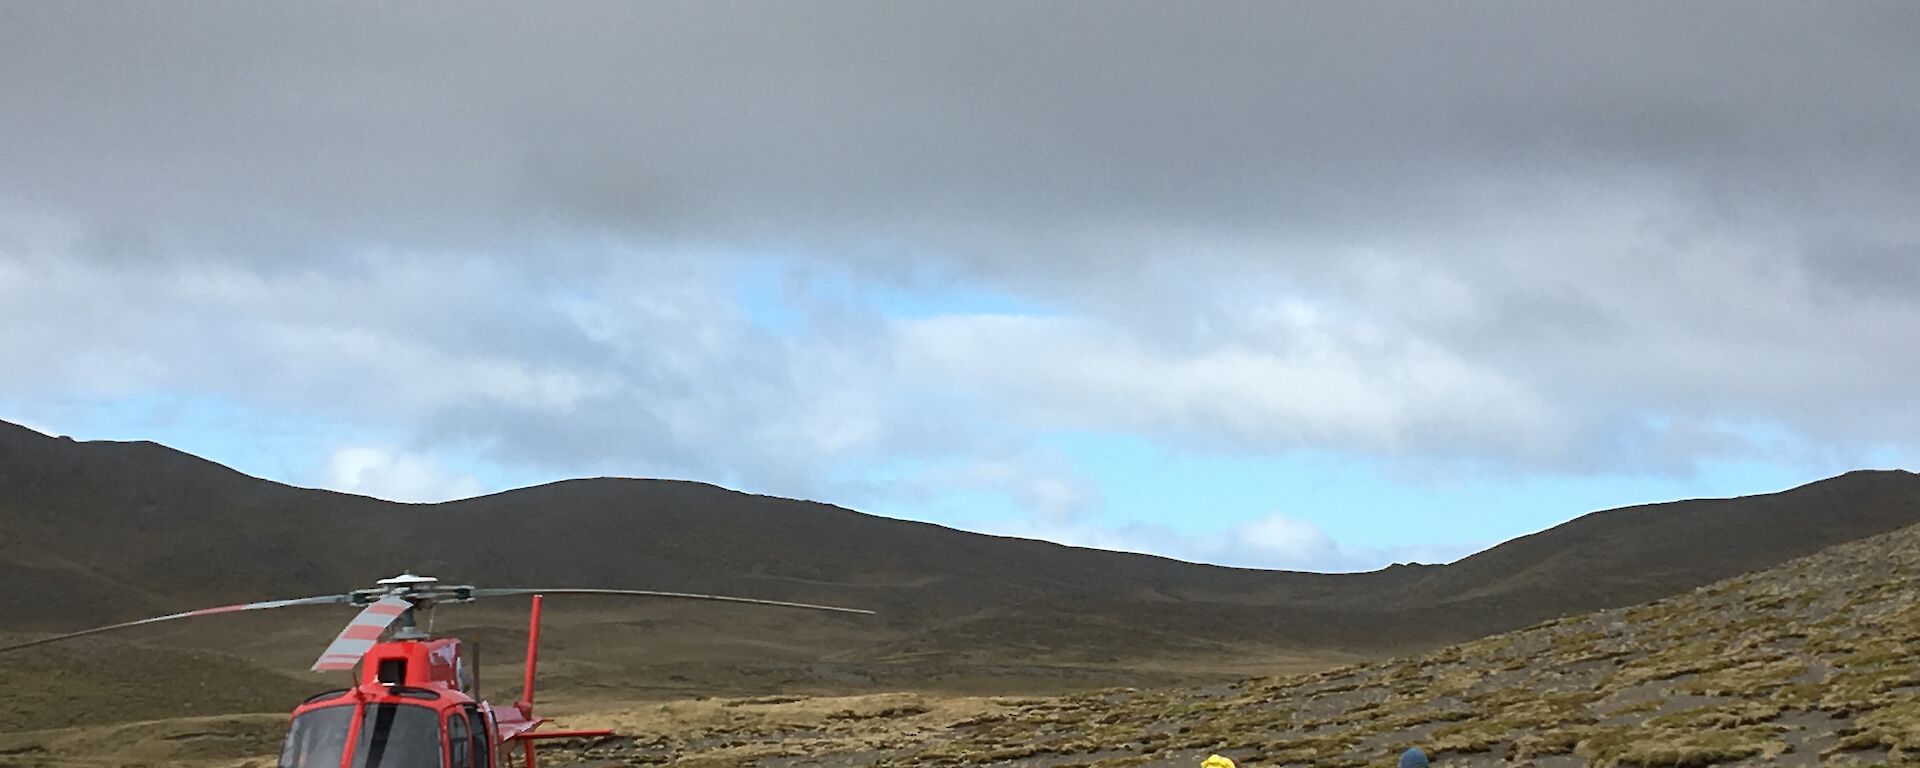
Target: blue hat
[{"x": 1413, "y": 758}]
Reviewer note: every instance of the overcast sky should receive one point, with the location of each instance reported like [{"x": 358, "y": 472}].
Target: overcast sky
[{"x": 1305, "y": 285}]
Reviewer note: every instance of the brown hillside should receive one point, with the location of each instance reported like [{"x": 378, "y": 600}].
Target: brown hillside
[
  {"x": 103, "y": 531},
  {"x": 1808, "y": 663}
]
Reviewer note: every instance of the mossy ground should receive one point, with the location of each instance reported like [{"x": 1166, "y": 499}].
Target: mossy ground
[{"x": 1809, "y": 663}]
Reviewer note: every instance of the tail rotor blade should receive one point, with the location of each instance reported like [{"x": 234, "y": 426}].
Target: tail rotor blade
[
  {"x": 361, "y": 633},
  {"x": 259, "y": 606},
  {"x": 510, "y": 592}
]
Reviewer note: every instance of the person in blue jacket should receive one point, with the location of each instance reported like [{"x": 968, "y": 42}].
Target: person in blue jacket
[{"x": 1413, "y": 758}]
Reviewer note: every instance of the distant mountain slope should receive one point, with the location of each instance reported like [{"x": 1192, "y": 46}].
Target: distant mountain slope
[
  {"x": 1634, "y": 554},
  {"x": 103, "y": 530}
]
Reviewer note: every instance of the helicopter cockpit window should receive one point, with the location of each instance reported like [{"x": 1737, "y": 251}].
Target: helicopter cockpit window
[
  {"x": 457, "y": 743},
  {"x": 398, "y": 736},
  {"x": 482, "y": 737},
  {"x": 318, "y": 738},
  {"x": 391, "y": 736}
]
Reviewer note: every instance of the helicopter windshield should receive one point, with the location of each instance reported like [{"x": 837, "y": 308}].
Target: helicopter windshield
[{"x": 391, "y": 736}]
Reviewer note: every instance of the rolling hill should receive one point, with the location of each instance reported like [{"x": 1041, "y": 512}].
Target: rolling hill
[
  {"x": 105, "y": 531},
  {"x": 1805, "y": 663}
]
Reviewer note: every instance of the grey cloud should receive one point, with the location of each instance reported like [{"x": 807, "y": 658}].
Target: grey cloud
[
  {"x": 985, "y": 125},
  {"x": 647, "y": 370},
  {"x": 1866, "y": 271},
  {"x": 1616, "y": 214}
]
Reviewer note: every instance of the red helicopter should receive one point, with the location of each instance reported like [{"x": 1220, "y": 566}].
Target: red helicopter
[{"x": 415, "y": 702}]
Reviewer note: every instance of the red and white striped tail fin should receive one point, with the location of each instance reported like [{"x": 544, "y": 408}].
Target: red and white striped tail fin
[{"x": 361, "y": 634}]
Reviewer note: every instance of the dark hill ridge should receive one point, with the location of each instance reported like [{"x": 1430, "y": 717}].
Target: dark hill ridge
[{"x": 100, "y": 531}]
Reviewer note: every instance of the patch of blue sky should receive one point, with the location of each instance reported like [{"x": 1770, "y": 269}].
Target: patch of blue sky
[
  {"x": 777, "y": 294},
  {"x": 257, "y": 442},
  {"x": 763, "y": 291},
  {"x": 1364, "y": 502},
  {"x": 1891, "y": 457}
]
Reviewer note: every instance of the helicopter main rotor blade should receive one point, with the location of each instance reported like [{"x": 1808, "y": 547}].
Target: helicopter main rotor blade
[
  {"x": 361, "y": 633},
  {"x": 259, "y": 606},
  {"x": 510, "y": 592}
]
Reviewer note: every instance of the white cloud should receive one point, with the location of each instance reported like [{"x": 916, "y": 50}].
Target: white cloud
[
  {"x": 1305, "y": 382},
  {"x": 1287, "y": 539},
  {"x": 632, "y": 364},
  {"x": 397, "y": 476}
]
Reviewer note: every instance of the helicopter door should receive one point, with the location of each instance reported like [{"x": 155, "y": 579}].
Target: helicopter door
[
  {"x": 482, "y": 750},
  {"x": 459, "y": 741}
]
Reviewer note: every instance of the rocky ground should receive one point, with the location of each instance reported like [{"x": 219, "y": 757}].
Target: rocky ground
[{"x": 1812, "y": 662}]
